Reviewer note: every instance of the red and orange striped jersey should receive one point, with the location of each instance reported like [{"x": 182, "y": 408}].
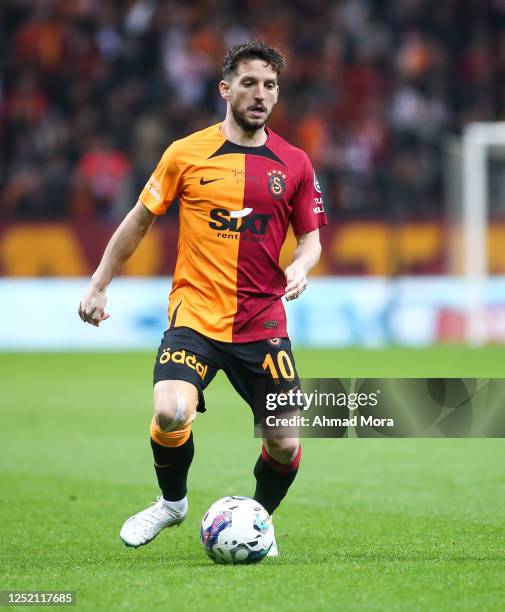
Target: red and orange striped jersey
[{"x": 235, "y": 206}]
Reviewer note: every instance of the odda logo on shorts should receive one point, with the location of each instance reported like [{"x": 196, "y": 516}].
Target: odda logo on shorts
[
  {"x": 239, "y": 220},
  {"x": 183, "y": 357}
]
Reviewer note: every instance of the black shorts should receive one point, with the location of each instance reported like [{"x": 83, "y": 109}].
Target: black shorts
[{"x": 253, "y": 368}]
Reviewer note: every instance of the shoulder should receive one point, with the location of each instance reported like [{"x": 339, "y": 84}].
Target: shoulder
[
  {"x": 295, "y": 159},
  {"x": 201, "y": 141},
  {"x": 293, "y": 156},
  {"x": 277, "y": 142}
]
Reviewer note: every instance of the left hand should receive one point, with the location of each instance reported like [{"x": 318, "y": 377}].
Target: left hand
[{"x": 296, "y": 281}]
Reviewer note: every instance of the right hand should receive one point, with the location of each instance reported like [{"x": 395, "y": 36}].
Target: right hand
[{"x": 92, "y": 306}]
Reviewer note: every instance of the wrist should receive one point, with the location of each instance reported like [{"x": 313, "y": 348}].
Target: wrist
[
  {"x": 300, "y": 263},
  {"x": 98, "y": 284}
]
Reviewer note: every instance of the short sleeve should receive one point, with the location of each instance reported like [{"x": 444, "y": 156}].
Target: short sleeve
[
  {"x": 164, "y": 184},
  {"x": 308, "y": 207}
]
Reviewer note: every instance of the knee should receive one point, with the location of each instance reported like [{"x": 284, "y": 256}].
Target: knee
[
  {"x": 170, "y": 413},
  {"x": 174, "y": 407},
  {"x": 282, "y": 450}
]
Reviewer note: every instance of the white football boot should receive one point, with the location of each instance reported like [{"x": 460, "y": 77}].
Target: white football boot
[
  {"x": 274, "y": 551},
  {"x": 144, "y": 526}
]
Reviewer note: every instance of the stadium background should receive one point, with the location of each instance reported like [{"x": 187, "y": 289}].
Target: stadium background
[{"x": 90, "y": 94}]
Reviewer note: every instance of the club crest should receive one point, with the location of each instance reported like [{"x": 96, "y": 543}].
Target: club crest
[{"x": 276, "y": 183}]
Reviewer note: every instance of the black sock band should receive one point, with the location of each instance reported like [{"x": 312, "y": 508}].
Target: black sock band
[
  {"x": 273, "y": 480},
  {"x": 172, "y": 465}
]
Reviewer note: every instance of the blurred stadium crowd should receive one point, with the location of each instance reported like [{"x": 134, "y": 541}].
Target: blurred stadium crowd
[{"x": 92, "y": 91}]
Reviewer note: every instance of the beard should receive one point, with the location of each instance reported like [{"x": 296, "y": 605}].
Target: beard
[{"x": 246, "y": 124}]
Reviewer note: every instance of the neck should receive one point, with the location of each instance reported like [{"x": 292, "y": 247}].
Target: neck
[{"x": 236, "y": 134}]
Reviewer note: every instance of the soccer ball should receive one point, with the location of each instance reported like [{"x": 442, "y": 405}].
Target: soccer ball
[{"x": 236, "y": 530}]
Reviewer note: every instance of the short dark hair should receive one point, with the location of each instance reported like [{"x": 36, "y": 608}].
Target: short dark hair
[{"x": 255, "y": 49}]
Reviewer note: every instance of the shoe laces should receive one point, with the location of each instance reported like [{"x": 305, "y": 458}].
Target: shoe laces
[{"x": 150, "y": 516}]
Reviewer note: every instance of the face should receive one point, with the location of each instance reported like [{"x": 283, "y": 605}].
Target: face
[{"x": 252, "y": 94}]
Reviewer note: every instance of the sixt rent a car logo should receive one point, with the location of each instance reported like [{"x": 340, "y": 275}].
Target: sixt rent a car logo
[
  {"x": 239, "y": 220},
  {"x": 184, "y": 358}
]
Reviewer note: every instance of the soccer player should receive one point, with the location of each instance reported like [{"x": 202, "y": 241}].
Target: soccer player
[{"x": 239, "y": 186}]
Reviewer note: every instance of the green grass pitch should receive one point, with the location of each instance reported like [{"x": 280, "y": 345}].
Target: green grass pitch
[{"x": 368, "y": 525}]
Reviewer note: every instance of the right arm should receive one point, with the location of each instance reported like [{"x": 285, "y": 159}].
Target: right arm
[{"x": 123, "y": 243}]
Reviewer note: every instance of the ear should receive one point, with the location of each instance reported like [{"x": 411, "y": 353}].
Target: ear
[{"x": 224, "y": 90}]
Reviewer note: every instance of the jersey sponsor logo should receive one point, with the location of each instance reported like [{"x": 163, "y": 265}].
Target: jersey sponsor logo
[
  {"x": 239, "y": 221},
  {"x": 238, "y": 214},
  {"x": 317, "y": 187},
  {"x": 153, "y": 187},
  {"x": 276, "y": 183},
  {"x": 186, "y": 358},
  {"x": 207, "y": 181},
  {"x": 318, "y": 208},
  {"x": 270, "y": 325}
]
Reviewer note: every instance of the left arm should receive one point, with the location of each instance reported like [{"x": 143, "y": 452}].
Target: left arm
[{"x": 305, "y": 258}]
